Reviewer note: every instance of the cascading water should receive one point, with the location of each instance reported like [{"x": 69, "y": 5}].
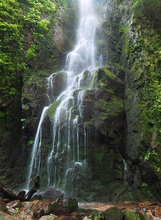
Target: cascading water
[{"x": 68, "y": 155}]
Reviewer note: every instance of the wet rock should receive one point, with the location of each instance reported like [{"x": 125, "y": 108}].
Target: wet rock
[
  {"x": 86, "y": 104},
  {"x": 52, "y": 194},
  {"x": 13, "y": 207},
  {"x": 86, "y": 218},
  {"x": 5, "y": 216},
  {"x": 38, "y": 214},
  {"x": 57, "y": 83},
  {"x": 36, "y": 197},
  {"x": 12, "y": 211},
  {"x": 38, "y": 206},
  {"x": 27, "y": 207},
  {"x": 21, "y": 194},
  {"x": 149, "y": 213},
  {"x": 14, "y": 204},
  {"x": 49, "y": 217},
  {"x": 23, "y": 215},
  {"x": 63, "y": 217},
  {"x": 59, "y": 36},
  {"x": 86, "y": 79},
  {"x": 157, "y": 211},
  {"x": 74, "y": 215}
]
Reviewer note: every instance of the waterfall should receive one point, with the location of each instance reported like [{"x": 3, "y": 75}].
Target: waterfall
[
  {"x": 68, "y": 154},
  {"x": 34, "y": 167}
]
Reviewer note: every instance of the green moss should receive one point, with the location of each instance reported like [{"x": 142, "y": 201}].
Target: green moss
[
  {"x": 101, "y": 76},
  {"x": 124, "y": 40},
  {"x": 96, "y": 215},
  {"x": 148, "y": 10},
  {"x": 52, "y": 109},
  {"x": 110, "y": 108},
  {"x": 113, "y": 214},
  {"x": 141, "y": 47},
  {"x": 131, "y": 215},
  {"x": 108, "y": 73}
]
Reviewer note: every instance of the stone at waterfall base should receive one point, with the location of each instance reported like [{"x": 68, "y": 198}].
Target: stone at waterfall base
[
  {"x": 49, "y": 217},
  {"x": 62, "y": 210}
]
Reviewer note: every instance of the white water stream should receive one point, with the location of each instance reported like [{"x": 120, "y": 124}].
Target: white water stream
[{"x": 68, "y": 154}]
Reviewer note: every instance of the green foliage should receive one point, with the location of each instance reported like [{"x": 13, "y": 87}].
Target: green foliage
[
  {"x": 30, "y": 142},
  {"x": 141, "y": 53},
  {"x": 41, "y": 6},
  {"x": 153, "y": 157},
  {"x": 150, "y": 152},
  {"x": 131, "y": 215},
  {"x": 11, "y": 49},
  {"x": 151, "y": 81},
  {"x": 24, "y": 25},
  {"x": 109, "y": 73},
  {"x": 149, "y": 9},
  {"x": 63, "y": 3},
  {"x": 16, "y": 210},
  {"x": 145, "y": 65},
  {"x": 32, "y": 52},
  {"x": 124, "y": 39},
  {"x": 146, "y": 189},
  {"x": 101, "y": 76},
  {"x": 72, "y": 204},
  {"x": 114, "y": 213},
  {"x": 96, "y": 215}
]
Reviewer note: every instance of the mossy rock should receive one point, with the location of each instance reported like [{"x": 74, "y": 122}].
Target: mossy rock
[
  {"x": 96, "y": 215},
  {"x": 113, "y": 213},
  {"x": 70, "y": 204},
  {"x": 101, "y": 76},
  {"x": 52, "y": 109},
  {"x": 131, "y": 215}
]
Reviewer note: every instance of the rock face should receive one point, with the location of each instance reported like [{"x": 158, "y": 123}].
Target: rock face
[
  {"x": 120, "y": 111},
  {"x": 10, "y": 135},
  {"x": 102, "y": 112},
  {"x": 142, "y": 130}
]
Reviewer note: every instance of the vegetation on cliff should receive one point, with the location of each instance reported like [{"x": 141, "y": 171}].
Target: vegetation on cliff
[
  {"x": 141, "y": 54},
  {"x": 24, "y": 31},
  {"x": 28, "y": 53},
  {"x": 26, "y": 38}
]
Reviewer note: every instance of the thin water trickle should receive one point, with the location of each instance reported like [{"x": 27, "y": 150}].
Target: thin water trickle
[
  {"x": 68, "y": 154},
  {"x": 125, "y": 170},
  {"x": 34, "y": 167}
]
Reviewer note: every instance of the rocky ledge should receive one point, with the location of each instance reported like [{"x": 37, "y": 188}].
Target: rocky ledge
[{"x": 70, "y": 209}]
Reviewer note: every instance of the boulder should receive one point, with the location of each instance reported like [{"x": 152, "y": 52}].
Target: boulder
[
  {"x": 113, "y": 213},
  {"x": 5, "y": 216},
  {"x": 52, "y": 194},
  {"x": 14, "y": 204},
  {"x": 70, "y": 204},
  {"x": 158, "y": 211}
]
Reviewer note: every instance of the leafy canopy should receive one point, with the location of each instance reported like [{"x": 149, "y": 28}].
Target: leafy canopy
[{"x": 24, "y": 24}]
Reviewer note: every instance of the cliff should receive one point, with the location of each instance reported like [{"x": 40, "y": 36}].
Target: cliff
[{"x": 121, "y": 111}]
